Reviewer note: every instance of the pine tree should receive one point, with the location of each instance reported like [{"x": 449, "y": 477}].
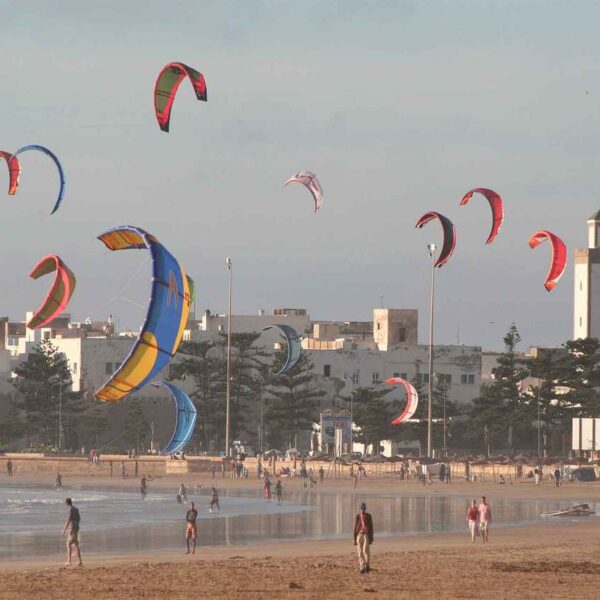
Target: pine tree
[
  {"x": 43, "y": 383},
  {"x": 202, "y": 364},
  {"x": 373, "y": 415},
  {"x": 501, "y": 405},
  {"x": 291, "y": 401},
  {"x": 136, "y": 428}
]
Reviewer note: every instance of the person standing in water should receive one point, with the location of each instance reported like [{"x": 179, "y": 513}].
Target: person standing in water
[
  {"x": 143, "y": 487},
  {"x": 58, "y": 481},
  {"x": 278, "y": 489},
  {"x": 182, "y": 494},
  {"x": 473, "y": 519},
  {"x": 73, "y": 539},
  {"x": 485, "y": 519},
  {"x": 363, "y": 537},
  {"x": 214, "y": 500},
  {"x": 9, "y": 468},
  {"x": 190, "y": 529}
]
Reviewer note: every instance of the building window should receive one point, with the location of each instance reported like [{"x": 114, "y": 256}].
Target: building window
[
  {"x": 580, "y": 285},
  {"x": 396, "y": 374},
  {"x": 46, "y": 335},
  {"x": 445, "y": 379},
  {"x": 378, "y": 326},
  {"x": 404, "y": 376},
  {"x": 467, "y": 379},
  {"x": 326, "y": 370},
  {"x": 375, "y": 378},
  {"x": 108, "y": 368},
  {"x": 356, "y": 377},
  {"x": 401, "y": 334},
  {"x": 580, "y": 322},
  {"x": 75, "y": 368}
]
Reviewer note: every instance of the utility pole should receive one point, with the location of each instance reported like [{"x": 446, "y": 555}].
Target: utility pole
[
  {"x": 229, "y": 266},
  {"x": 60, "y": 423},
  {"x": 431, "y": 249}
]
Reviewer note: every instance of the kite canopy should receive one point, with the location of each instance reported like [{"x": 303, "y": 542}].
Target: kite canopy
[
  {"x": 166, "y": 87},
  {"x": 495, "y": 204},
  {"x": 449, "y": 235},
  {"x": 185, "y": 422},
  {"x": 311, "y": 182},
  {"x": 559, "y": 256},
  {"x": 60, "y": 293},
  {"x": 61, "y": 173},
  {"x": 166, "y": 318},
  {"x": 412, "y": 400},
  {"x": 294, "y": 349},
  {"x": 14, "y": 171}
]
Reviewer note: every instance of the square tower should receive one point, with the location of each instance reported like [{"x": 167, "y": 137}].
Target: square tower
[
  {"x": 393, "y": 326},
  {"x": 586, "y": 298}
]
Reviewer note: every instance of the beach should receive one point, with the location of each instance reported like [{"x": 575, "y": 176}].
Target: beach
[{"x": 555, "y": 559}]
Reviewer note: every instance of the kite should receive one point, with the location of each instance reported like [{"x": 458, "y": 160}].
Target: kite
[
  {"x": 311, "y": 182},
  {"x": 559, "y": 256},
  {"x": 61, "y": 173},
  {"x": 60, "y": 293},
  {"x": 412, "y": 400},
  {"x": 449, "y": 235},
  {"x": 14, "y": 171},
  {"x": 293, "y": 346},
  {"x": 166, "y": 318},
  {"x": 185, "y": 421},
  {"x": 166, "y": 86},
  {"x": 495, "y": 204}
]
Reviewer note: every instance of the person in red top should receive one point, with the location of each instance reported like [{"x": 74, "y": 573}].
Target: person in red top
[
  {"x": 473, "y": 519},
  {"x": 363, "y": 537},
  {"x": 485, "y": 519}
]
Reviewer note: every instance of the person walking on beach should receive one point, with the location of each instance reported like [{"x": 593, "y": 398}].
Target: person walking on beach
[
  {"x": 73, "y": 539},
  {"x": 557, "y": 477},
  {"x": 485, "y": 519},
  {"x": 321, "y": 474},
  {"x": 536, "y": 475},
  {"x": 123, "y": 469},
  {"x": 182, "y": 494},
  {"x": 214, "y": 499},
  {"x": 9, "y": 468},
  {"x": 278, "y": 489},
  {"x": 212, "y": 471},
  {"x": 473, "y": 520},
  {"x": 190, "y": 528},
  {"x": 143, "y": 487},
  {"x": 363, "y": 537},
  {"x": 58, "y": 481}
]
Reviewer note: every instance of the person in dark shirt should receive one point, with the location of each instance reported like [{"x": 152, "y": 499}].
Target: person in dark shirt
[
  {"x": 278, "y": 489},
  {"x": 190, "y": 531},
  {"x": 143, "y": 487},
  {"x": 214, "y": 500},
  {"x": 73, "y": 539},
  {"x": 363, "y": 537}
]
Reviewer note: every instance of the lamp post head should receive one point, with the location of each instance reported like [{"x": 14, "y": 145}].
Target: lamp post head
[
  {"x": 228, "y": 263},
  {"x": 431, "y": 248}
]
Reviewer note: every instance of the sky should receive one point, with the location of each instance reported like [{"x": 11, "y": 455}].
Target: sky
[{"x": 400, "y": 107}]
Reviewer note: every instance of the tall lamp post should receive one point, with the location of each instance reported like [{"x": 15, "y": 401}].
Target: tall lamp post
[
  {"x": 228, "y": 401},
  {"x": 60, "y": 422},
  {"x": 431, "y": 249},
  {"x": 539, "y": 445}
]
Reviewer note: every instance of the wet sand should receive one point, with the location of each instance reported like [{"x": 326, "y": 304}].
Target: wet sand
[{"x": 553, "y": 560}]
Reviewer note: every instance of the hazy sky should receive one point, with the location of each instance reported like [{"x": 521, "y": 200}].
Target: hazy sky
[{"x": 399, "y": 107}]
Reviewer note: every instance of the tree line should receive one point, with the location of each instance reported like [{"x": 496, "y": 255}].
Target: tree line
[{"x": 526, "y": 396}]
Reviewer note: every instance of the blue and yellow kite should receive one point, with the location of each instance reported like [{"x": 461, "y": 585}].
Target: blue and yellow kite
[{"x": 161, "y": 333}]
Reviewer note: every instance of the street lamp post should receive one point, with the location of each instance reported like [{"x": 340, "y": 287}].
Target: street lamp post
[
  {"x": 351, "y": 376},
  {"x": 444, "y": 398},
  {"x": 431, "y": 248},
  {"x": 228, "y": 401},
  {"x": 539, "y": 445},
  {"x": 60, "y": 423}
]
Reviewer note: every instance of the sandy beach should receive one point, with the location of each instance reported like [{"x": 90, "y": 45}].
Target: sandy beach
[{"x": 554, "y": 559}]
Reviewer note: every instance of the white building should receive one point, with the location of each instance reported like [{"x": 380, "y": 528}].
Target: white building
[{"x": 586, "y": 305}]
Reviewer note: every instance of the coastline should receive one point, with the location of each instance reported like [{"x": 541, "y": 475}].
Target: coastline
[{"x": 554, "y": 559}]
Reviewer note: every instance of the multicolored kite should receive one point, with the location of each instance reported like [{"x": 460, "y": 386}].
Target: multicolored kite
[
  {"x": 166, "y": 318},
  {"x": 449, "y": 235},
  {"x": 185, "y": 420},
  {"x": 495, "y": 204},
  {"x": 60, "y": 293},
  {"x": 61, "y": 173},
  {"x": 294, "y": 349},
  {"x": 166, "y": 87},
  {"x": 14, "y": 171},
  {"x": 559, "y": 256},
  {"x": 412, "y": 400},
  {"x": 311, "y": 182}
]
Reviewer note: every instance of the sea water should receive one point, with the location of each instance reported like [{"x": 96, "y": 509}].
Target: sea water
[{"x": 117, "y": 520}]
